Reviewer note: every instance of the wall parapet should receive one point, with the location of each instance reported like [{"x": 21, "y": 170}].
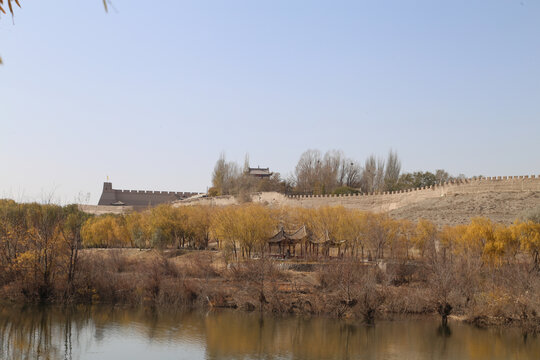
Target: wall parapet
[
  {"x": 119, "y": 197},
  {"x": 178, "y": 193},
  {"x": 452, "y": 183}
]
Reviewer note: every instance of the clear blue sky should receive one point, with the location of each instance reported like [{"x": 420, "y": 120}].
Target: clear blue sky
[{"x": 151, "y": 94}]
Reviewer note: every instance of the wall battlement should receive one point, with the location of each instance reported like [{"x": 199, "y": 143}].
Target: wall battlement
[
  {"x": 139, "y": 198},
  {"x": 493, "y": 183},
  {"x": 391, "y": 200},
  {"x": 177, "y": 193}
]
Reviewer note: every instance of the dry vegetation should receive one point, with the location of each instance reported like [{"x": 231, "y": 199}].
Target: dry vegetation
[{"x": 369, "y": 266}]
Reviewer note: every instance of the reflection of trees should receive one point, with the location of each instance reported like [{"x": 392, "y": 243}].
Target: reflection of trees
[
  {"x": 27, "y": 335},
  {"x": 237, "y": 335},
  {"x": 58, "y": 333},
  {"x": 444, "y": 330},
  {"x": 40, "y": 332}
]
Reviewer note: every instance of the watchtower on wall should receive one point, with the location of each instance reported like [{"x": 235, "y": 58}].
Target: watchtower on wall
[
  {"x": 258, "y": 172},
  {"x": 139, "y": 198}
]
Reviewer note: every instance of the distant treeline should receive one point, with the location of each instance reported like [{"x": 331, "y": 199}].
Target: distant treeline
[{"x": 331, "y": 173}]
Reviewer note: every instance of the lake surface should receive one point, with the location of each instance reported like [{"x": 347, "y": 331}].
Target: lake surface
[{"x": 107, "y": 333}]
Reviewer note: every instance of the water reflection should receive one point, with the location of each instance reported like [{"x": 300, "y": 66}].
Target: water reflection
[
  {"x": 444, "y": 330},
  {"x": 107, "y": 333}
]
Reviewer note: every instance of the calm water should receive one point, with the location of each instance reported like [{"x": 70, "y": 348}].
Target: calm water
[{"x": 105, "y": 333}]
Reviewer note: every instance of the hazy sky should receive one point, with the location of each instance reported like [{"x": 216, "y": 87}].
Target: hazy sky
[{"x": 151, "y": 94}]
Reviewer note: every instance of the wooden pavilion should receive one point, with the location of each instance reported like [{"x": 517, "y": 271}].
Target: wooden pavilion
[
  {"x": 322, "y": 246},
  {"x": 287, "y": 242}
]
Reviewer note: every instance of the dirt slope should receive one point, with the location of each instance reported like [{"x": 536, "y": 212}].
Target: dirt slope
[{"x": 455, "y": 209}]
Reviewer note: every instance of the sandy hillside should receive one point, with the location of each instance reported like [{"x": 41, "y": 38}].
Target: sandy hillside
[{"x": 455, "y": 209}]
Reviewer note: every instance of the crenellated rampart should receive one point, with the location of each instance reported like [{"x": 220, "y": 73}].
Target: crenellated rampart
[
  {"x": 391, "y": 200},
  {"x": 167, "y": 193},
  {"x": 139, "y": 198}
]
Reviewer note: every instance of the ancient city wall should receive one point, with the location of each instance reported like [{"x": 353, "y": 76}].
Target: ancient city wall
[
  {"x": 379, "y": 202},
  {"x": 385, "y": 201},
  {"x": 111, "y": 196}
]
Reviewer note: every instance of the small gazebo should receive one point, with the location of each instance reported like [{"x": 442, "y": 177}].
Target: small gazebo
[
  {"x": 324, "y": 244},
  {"x": 287, "y": 242}
]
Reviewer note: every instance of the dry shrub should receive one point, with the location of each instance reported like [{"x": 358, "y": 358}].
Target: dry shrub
[
  {"x": 511, "y": 294},
  {"x": 118, "y": 260},
  {"x": 371, "y": 296},
  {"x": 408, "y": 300},
  {"x": 164, "y": 266},
  {"x": 401, "y": 273},
  {"x": 105, "y": 279},
  {"x": 259, "y": 279},
  {"x": 178, "y": 293},
  {"x": 352, "y": 289},
  {"x": 200, "y": 265},
  {"x": 255, "y": 270},
  {"x": 243, "y": 196},
  {"x": 150, "y": 275}
]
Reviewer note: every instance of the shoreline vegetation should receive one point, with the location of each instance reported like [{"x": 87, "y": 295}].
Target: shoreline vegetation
[{"x": 365, "y": 266}]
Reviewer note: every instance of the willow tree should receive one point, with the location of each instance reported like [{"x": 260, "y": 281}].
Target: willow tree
[
  {"x": 168, "y": 226},
  {"x": 425, "y": 237},
  {"x": 246, "y": 227},
  {"x": 106, "y": 231},
  {"x": 528, "y": 234},
  {"x": 138, "y": 227},
  {"x": 9, "y": 6},
  {"x": 199, "y": 223},
  {"x": 224, "y": 227}
]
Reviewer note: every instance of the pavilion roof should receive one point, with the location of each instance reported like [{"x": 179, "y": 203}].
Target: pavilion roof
[
  {"x": 295, "y": 236},
  {"x": 327, "y": 240},
  {"x": 259, "y": 171},
  {"x": 299, "y": 234},
  {"x": 278, "y": 237}
]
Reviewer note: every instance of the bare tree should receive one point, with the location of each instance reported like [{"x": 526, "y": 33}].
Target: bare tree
[
  {"x": 246, "y": 164},
  {"x": 441, "y": 176},
  {"x": 379, "y": 176},
  {"x": 443, "y": 285},
  {"x": 307, "y": 170},
  {"x": 368, "y": 176},
  {"x": 373, "y": 175},
  {"x": 329, "y": 177},
  {"x": 323, "y": 174},
  {"x": 225, "y": 175},
  {"x": 392, "y": 170},
  {"x": 353, "y": 173}
]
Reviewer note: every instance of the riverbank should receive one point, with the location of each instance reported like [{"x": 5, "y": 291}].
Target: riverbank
[{"x": 340, "y": 288}]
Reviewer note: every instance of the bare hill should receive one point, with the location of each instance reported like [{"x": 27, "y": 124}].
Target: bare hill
[{"x": 502, "y": 207}]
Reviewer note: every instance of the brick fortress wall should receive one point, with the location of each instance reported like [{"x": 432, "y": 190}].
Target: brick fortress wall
[{"x": 139, "y": 198}]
